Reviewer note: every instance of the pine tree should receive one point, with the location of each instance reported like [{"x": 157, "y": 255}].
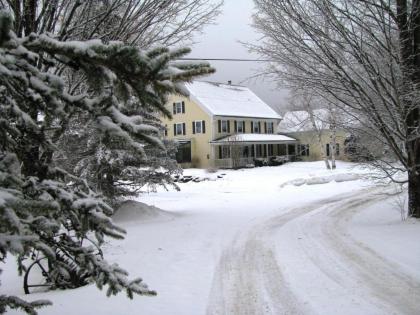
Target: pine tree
[
  {"x": 112, "y": 167},
  {"x": 43, "y": 207}
]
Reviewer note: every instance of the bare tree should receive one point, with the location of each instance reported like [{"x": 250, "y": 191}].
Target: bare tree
[
  {"x": 308, "y": 102},
  {"x": 141, "y": 23},
  {"x": 363, "y": 56},
  {"x": 332, "y": 118}
]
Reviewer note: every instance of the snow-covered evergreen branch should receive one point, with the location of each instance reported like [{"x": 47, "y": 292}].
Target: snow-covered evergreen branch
[{"x": 44, "y": 208}]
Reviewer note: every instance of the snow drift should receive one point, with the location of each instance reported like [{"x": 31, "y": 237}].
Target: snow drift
[
  {"x": 132, "y": 210},
  {"x": 318, "y": 180}
]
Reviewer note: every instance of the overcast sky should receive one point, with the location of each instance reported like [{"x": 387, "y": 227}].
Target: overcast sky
[{"x": 222, "y": 41}]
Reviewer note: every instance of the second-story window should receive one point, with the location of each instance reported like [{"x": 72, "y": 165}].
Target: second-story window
[
  {"x": 178, "y": 108},
  {"x": 269, "y": 127},
  {"x": 223, "y": 126},
  {"x": 239, "y": 126},
  {"x": 199, "y": 126},
  {"x": 255, "y": 126}
]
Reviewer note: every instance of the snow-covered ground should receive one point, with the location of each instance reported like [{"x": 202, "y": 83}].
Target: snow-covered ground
[{"x": 292, "y": 239}]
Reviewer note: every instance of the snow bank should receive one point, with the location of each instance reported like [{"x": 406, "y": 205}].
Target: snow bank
[
  {"x": 380, "y": 227},
  {"x": 318, "y": 180},
  {"x": 132, "y": 210}
]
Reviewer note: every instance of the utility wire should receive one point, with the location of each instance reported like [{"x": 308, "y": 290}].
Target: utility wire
[{"x": 228, "y": 59}]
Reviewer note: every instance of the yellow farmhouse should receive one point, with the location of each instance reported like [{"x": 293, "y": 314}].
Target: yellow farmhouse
[{"x": 225, "y": 126}]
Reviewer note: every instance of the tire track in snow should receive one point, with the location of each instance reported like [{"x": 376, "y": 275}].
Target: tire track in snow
[
  {"x": 249, "y": 279},
  {"x": 363, "y": 281},
  {"x": 381, "y": 278}
]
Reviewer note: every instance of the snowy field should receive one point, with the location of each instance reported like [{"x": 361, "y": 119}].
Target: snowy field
[{"x": 291, "y": 239}]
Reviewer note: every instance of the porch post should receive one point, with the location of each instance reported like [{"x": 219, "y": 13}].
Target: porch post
[
  {"x": 230, "y": 157},
  {"x": 213, "y": 156},
  {"x": 287, "y": 148}
]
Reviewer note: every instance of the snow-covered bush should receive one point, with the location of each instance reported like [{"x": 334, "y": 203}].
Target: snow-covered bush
[{"x": 43, "y": 207}]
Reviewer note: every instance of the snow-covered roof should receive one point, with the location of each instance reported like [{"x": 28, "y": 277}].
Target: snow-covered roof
[
  {"x": 295, "y": 121},
  {"x": 229, "y": 100},
  {"x": 254, "y": 137}
]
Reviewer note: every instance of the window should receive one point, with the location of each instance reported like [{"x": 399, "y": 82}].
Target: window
[
  {"x": 304, "y": 149},
  {"x": 178, "y": 108},
  {"x": 223, "y": 126},
  {"x": 199, "y": 126},
  {"x": 224, "y": 152},
  {"x": 270, "y": 149},
  {"x": 239, "y": 126},
  {"x": 269, "y": 127},
  {"x": 259, "y": 150},
  {"x": 255, "y": 126},
  {"x": 337, "y": 149},
  {"x": 291, "y": 149},
  {"x": 281, "y": 149},
  {"x": 179, "y": 129}
]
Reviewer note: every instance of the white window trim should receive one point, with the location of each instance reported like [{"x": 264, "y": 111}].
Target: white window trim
[
  {"x": 256, "y": 125},
  {"x": 200, "y": 122},
  {"x": 242, "y": 124},
  {"x": 182, "y": 129},
  {"x": 221, "y": 125},
  {"x": 178, "y": 107},
  {"x": 270, "y": 124}
]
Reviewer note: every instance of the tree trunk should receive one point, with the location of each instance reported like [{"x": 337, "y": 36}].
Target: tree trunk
[
  {"x": 319, "y": 135},
  {"x": 413, "y": 152},
  {"x": 414, "y": 194},
  {"x": 409, "y": 39},
  {"x": 333, "y": 145}
]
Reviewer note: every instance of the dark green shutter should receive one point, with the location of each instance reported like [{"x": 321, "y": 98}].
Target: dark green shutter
[
  {"x": 228, "y": 126},
  {"x": 183, "y": 129},
  {"x": 174, "y": 129},
  {"x": 236, "y": 126},
  {"x": 183, "y": 107},
  {"x": 174, "y": 108},
  {"x": 252, "y": 127},
  {"x": 193, "y": 127},
  {"x": 219, "y": 124},
  {"x": 259, "y": 127},
  {"x": 203, "y": 127},
  {"x": 265, "y": 127}
]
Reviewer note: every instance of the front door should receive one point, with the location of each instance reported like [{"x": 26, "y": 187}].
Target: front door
[{"x": 183, "y": 154}]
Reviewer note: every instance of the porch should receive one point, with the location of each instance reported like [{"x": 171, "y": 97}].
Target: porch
[{"x": 241, "y": 150}]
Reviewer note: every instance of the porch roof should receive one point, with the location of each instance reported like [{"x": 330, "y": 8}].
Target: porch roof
[{"x": 254, "y": 138}]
